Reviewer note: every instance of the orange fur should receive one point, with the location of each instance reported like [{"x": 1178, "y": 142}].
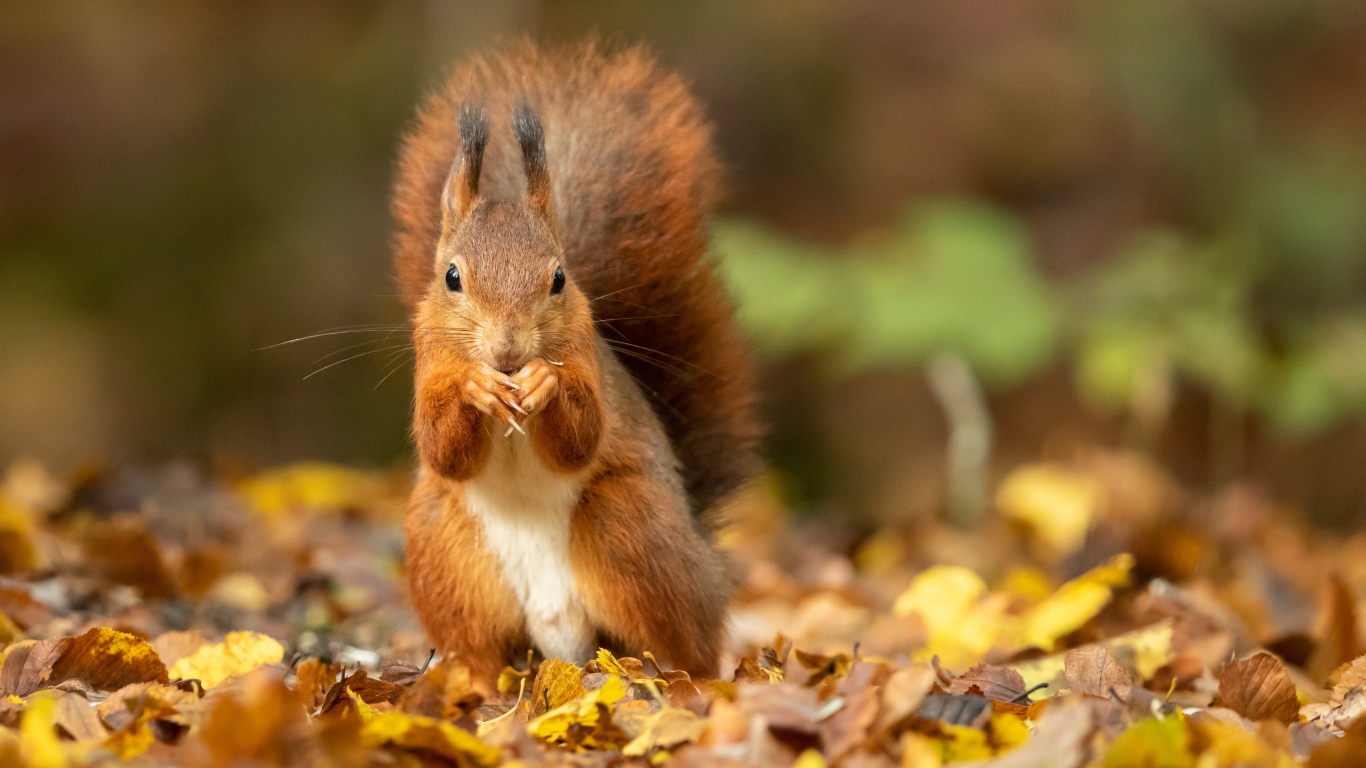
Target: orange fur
[{"x": 633, "y": 381}]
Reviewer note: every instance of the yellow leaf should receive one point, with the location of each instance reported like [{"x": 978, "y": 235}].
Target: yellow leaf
[
  {"x": 963, "y": 743},
  {"x": 510, "y": 680},
  {"x": 311, "y": 486},
  {"x": 1008, "y": 731},
  {"x": 128, "y": 743},
  {"x": 557, "y": 682},
  {"x": 941, "y": 595},
  {"x": 419, "y": 732},
  {"x": 38, "y": 741},
  {"x": 583, "y": 711},
  {"x": 668, "y": 728},
  {"x": 609, "y": 664},
  {"x": 811, "y": 758},
  {"x": 962, "y": 622},
  {"x": 1056, "y": 503},
  {"x": 1152, "y": 743},
  {"x": 1075, "y": 603},
  {"x": 239, "y": 653},
  {"x": 918, "y": 751}
]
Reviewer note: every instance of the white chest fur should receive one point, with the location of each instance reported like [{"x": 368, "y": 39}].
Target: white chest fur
[{"x": 525, "y": 509}]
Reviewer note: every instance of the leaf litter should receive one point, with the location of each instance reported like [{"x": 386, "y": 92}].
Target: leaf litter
[{"x": 180, "y": 617}]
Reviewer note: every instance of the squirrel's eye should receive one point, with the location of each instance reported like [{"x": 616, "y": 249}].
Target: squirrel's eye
[
  {"x": 557, "y": 286},
  {"x": 453, "y": 279}
]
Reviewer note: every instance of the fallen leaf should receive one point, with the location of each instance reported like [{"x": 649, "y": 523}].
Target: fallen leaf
[
  {"x": 665, "y": 729},
  {"x": 1095, "y": 672},
  {"x": 1070, "y": 607},
  {"x": 239, "y": 653},
  {"x": 902, "y": 694},
  {"x": 106, "y": 660},
  {"x": 1060, "y": 740},
  {"x": 360, "y": 685},
  {"x": 28, "y": 666},
  {"x": 993, "y": 682},
  {"x": 1056, "y": 503},
  {"x": 848, "y": 728},
  {"x": 962, "y": 622},
  {"x": 1259, "y": 688},
  {"x": 77, "y": 719},
  {"x": 584, "y": 712},
  {"x": 559, "y": 682},
  {"x": 1152, "y": 743},
  {"x": 419, "y": 733}
]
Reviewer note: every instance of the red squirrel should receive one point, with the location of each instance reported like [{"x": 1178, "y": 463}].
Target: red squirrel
[{"x": 584, "y": 397}]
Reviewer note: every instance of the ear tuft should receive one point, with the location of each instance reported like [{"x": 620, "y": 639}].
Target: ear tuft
[
  {"x": 526, "y": 126},
  {"x": 462, "y": 185}
]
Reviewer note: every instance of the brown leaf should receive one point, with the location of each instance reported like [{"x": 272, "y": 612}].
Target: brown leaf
[
  {"x": 369, "y": 689},
  {"x": 134, "y": 697},
  {"x": 1258, "y": 687},
  {"x": 313, "y": 678},
  {"x": 791, "y": 711},
  {"x": 993, "y": 682},
  {"x": 820, "y": 666},
  {"x": 77, "y": 718},
  {"x": 174, "y": 646},
  {"x": 445, "y": 692},
  {"x": 848, "y": 727},
  {"x": 1350, "y": 676},
  {"x": 902, "y": 695},
  {"x": 1094, "y": 671},
  {"x": 29, "y": 665},
  {"x": 107, "y": 660}
]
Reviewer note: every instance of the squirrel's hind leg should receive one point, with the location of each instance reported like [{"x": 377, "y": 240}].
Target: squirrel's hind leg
[
  {"x": 468, "y": 611},
  {"x": 646, "y": 575}
]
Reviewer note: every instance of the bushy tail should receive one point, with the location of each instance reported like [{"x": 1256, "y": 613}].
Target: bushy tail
[{"x": 634, "y": 177}]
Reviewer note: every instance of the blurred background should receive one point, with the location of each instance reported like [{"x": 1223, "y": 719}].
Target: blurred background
[{"x": 964, "y": 234}]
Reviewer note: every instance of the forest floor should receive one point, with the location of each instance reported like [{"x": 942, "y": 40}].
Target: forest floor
[{"x": 1099, "y": 615}]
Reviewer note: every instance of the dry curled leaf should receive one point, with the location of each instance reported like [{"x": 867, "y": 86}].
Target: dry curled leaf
[{"x": 1258, "y": 687}]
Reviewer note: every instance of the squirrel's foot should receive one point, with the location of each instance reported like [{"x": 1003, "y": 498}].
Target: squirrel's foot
[
  {"x": 494, "y": 394},
  {"x": 536, "y": 382}
]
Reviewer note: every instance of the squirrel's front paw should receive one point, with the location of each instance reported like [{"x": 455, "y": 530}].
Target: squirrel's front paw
[
  {"x": 536, "y": 382},
  {"x": 494, "y": 393}
]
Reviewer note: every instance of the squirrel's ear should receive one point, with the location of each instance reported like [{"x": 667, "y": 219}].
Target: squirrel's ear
[
  {"x": 462, "y": 185},
  {"x": 526, "y": 125}
]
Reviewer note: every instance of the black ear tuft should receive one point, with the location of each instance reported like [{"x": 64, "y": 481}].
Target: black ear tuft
[
  {"x": 526, "y": 126},
  {"x": 462, "y": 185},
  {"x": 474, "y": 131}
]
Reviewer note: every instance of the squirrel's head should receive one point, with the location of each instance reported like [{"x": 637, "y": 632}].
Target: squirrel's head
[{"x": 500, "y": 290}]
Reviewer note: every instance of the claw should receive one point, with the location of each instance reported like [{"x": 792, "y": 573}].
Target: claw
[
  {"x": 515, "y": 426},
  {"x": 517, "y": 408}
]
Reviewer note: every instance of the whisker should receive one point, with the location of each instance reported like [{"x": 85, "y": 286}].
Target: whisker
[
  {"x": 353, "y": 357},
  {"x": 664, "y": 355},
  {"x": 336, "y": 332},
  {"x": 391, "y": 372}
]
